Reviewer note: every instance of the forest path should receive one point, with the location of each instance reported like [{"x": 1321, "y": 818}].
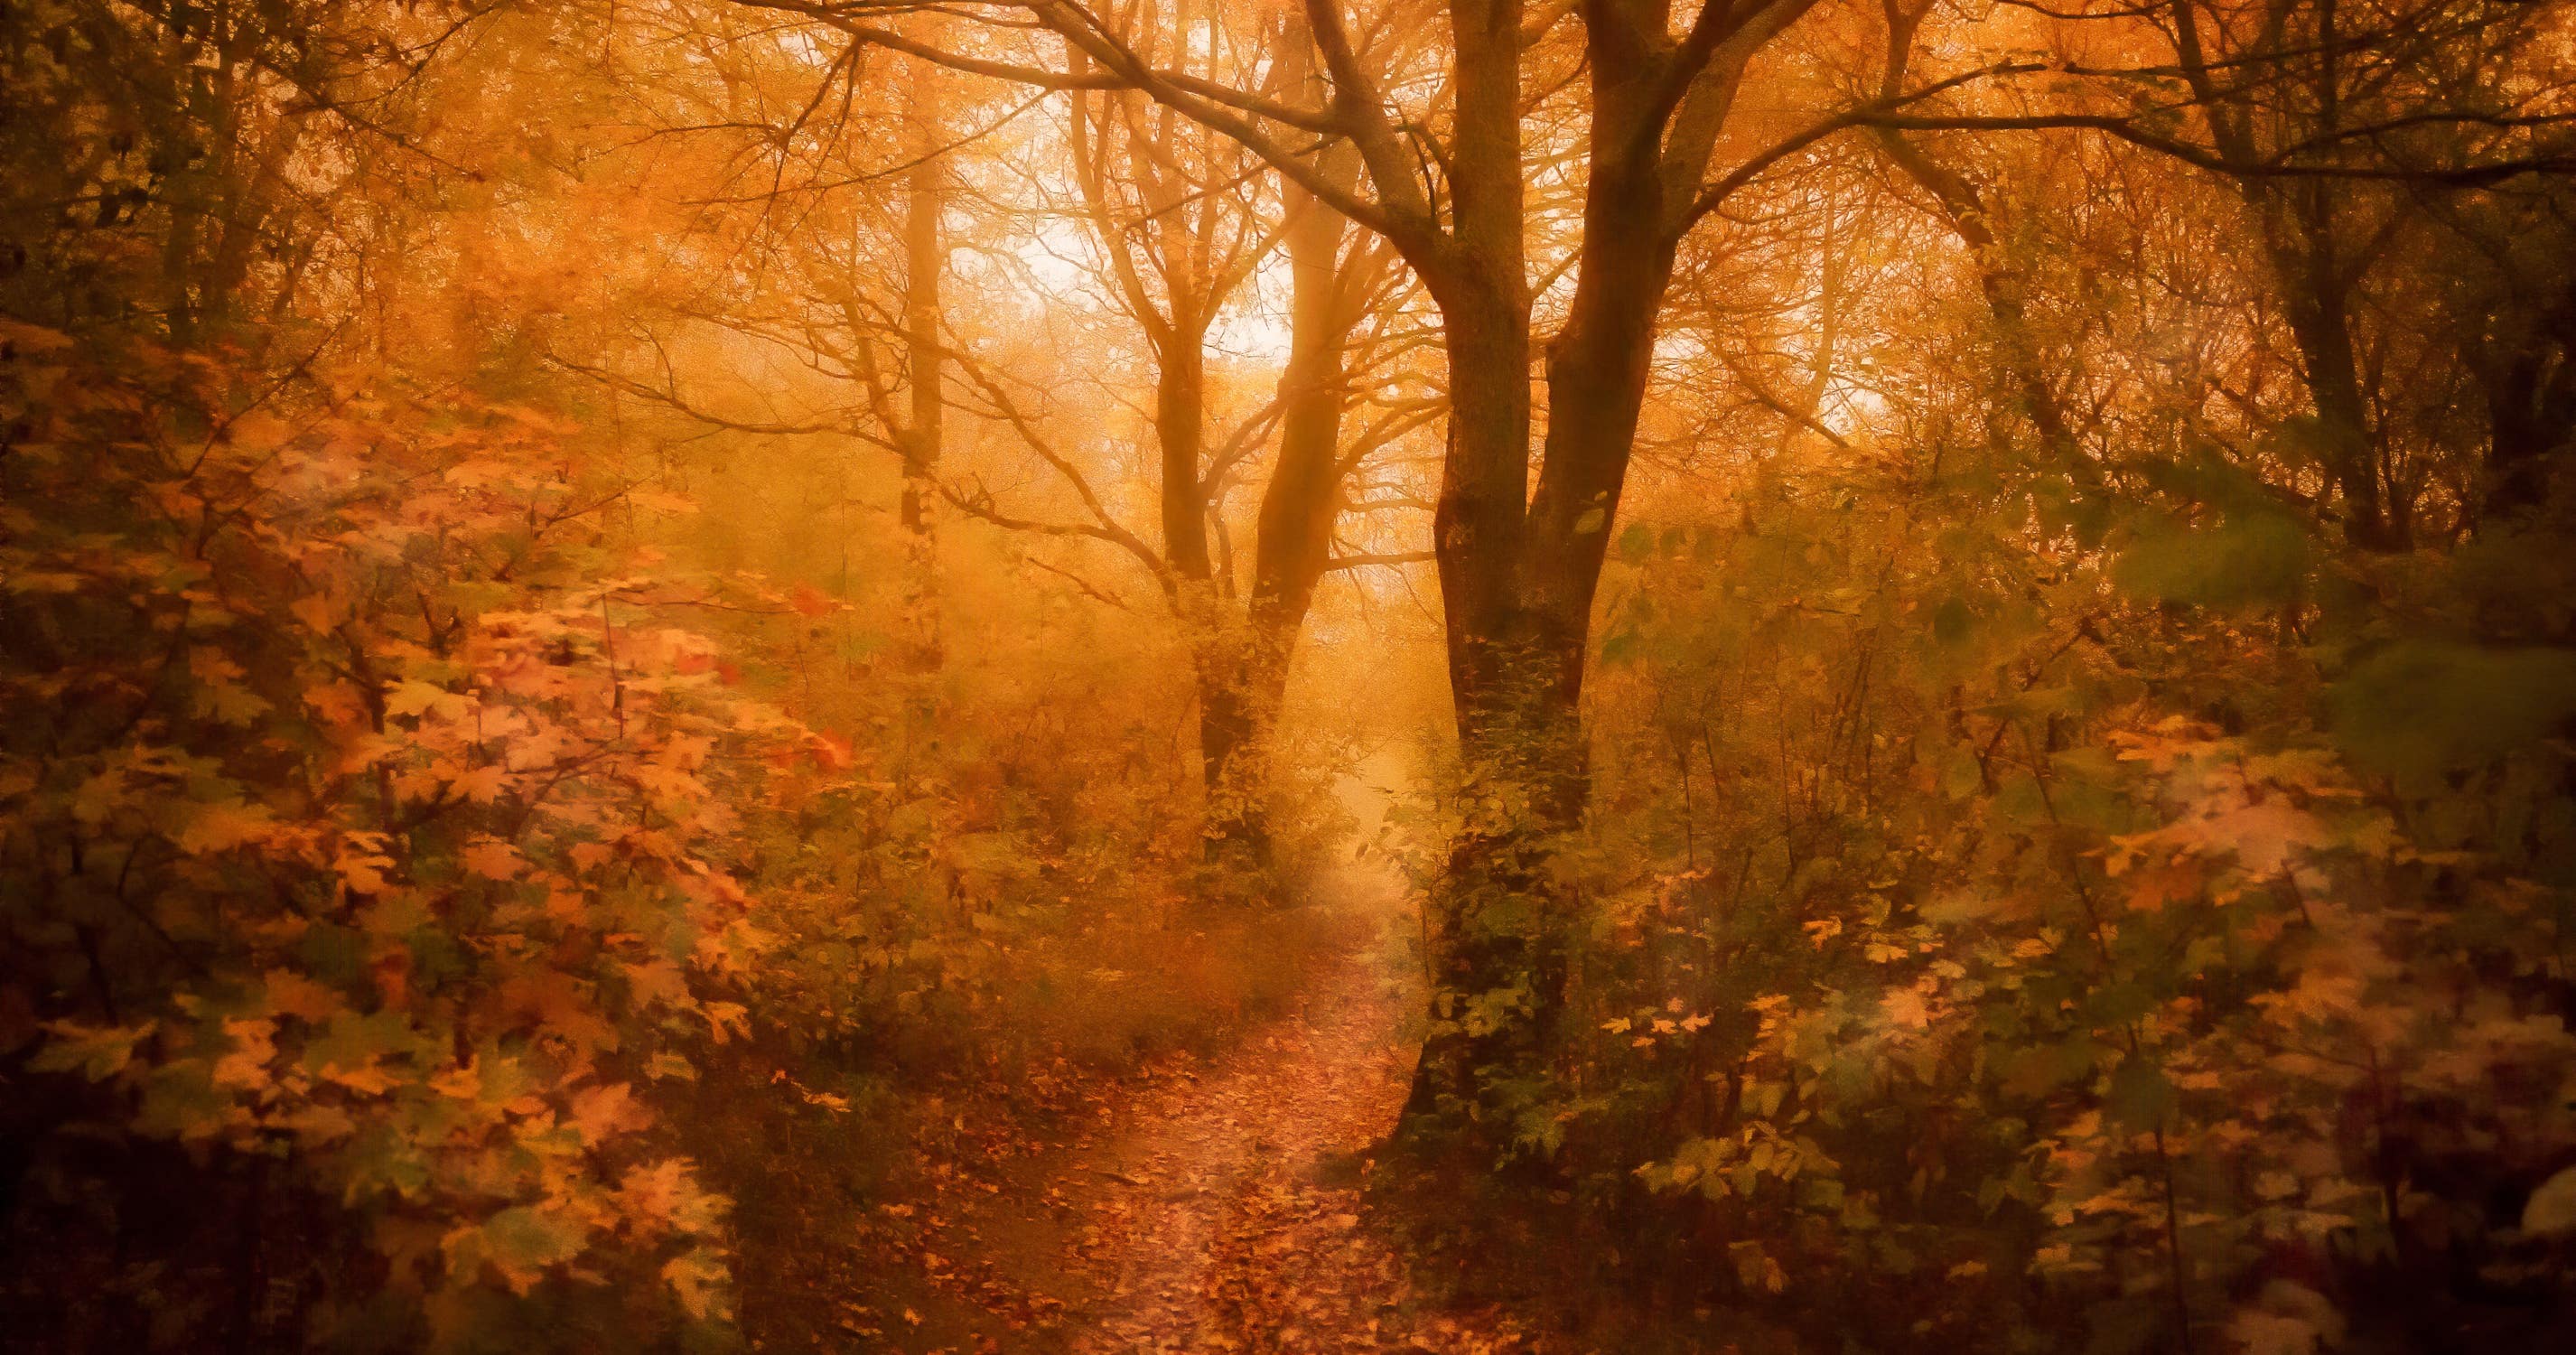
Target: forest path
[{"x": 1217, "y": 1208}]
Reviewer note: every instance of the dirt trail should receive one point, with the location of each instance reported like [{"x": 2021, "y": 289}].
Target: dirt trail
[{"x": 1218, "y": 1208}]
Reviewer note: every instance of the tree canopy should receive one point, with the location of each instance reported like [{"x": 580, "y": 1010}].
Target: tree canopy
[{"x": 1918, "y": 655}]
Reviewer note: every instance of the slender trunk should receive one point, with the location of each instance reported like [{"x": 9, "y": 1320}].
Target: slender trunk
[
  {"x": 1483, "y": 293},
  {"x": 1477, "y": 523},
  {"x": 1597, "y": 367},
  {"x": 1219, "y": 655},
  {"x": 919, "y": 440},
  {"x": 2314, "y": 303},
  {"x": 187, "y": 193},
  {"x": 1180, "y": 412},
  {"x": 2002, "y": 286},
  {"x": 1303, "y": 497},
  {"x": 2299, "y": 225},
  {"x": 244, "y": 221}
]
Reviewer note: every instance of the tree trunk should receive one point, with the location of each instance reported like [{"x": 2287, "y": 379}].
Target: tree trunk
[
  {"x": 1496, "y": 929},
  {"x": 1220, "y": 661},
  {"x": 2001, "y": 284},
  {"x": 1518, "y": 585},
  {"x": 2299, "y": 225},
  {"x": 1303, "y": 497},
  {"x": 1180, "y": 410},
  {"x": 1237, "y": 830},
  {"x": 919, "y": 440},
  {"x": 2315, "y": 302},
  {"x": 2529, "y": 381}
]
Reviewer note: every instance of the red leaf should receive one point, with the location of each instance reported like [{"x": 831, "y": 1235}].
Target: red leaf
[{"x": 810, "y": 601}]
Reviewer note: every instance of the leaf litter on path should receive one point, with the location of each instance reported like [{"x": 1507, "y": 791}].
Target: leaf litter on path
[{"x": 1195, "y": 1214}]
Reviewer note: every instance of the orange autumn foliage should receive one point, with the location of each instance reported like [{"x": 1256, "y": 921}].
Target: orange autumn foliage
[{"x": 394, "y": 805}]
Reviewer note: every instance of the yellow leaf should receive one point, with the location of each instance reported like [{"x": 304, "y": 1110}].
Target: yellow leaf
[
  {"x": 414, "y": 697},
  {"x": 702, "y": 1283},
  {"x": 338, "y": 703},
  {"x": 481, "y": 785},
  {"x": 1908, "y": 1008},
  {"x": 314, "y": 610},
  {"x": 361, "y": 870},
  {"x": 602, "y": 1113},
  {"x": 245, "y": 1066},
  {"x": 2551, "y": 1210},
  {"x": 492, "y": 859},
  {"x": 292, "y": 994},
  {"x": 224, "y": 825},
  {"x": 728, "y": 1018}
]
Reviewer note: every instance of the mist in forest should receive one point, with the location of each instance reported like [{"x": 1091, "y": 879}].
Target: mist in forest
[{"x": 1731, "y": 676}]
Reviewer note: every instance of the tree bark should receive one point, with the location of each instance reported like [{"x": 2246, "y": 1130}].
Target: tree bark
[
  {"x": 1303, "y": 497},
  {"x": 1963, "y": 209},
  {"x": 1518, "y": 570},
  {"x": 1220, "y": 660},
  {"x": 2300, "y": 227},
  {"x": 920, "y": 439},
  {"x": 1496, "y": 932},
  {"x": 2528, "y": 377},
  {"x": 1194, "y": 285}
]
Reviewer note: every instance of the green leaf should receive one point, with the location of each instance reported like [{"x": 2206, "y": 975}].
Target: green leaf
[
  {"x": 2247, "y": 559},
  {"x": 97, "y": 1053},
  {"x": 1636, "y": 544},
  {"x": 532, "y": 1237},
  {"x": 347, "y": 1049},
  {"x": 2140, "y": 1095},
  {"x": 1620, "y": 647},
  {"x": 1961, "y": 774},
  {"x": 379, "y": 1162},
  {"x": 2421, "y": 708},
  {"x": 520, "y": 1242}
]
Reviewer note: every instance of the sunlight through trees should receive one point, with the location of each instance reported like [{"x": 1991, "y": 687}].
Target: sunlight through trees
[{"x": 1729, "y": 675}]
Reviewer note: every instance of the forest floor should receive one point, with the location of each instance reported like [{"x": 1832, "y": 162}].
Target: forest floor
[{"x": 1209, "y": 1204}]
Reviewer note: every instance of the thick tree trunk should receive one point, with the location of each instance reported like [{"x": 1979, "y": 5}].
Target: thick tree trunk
[
  {"x": 1496, "y": 927},
  {"x": 1500, "y": 920},
  {"x": 1507, "y": 918},
  {"x": 1518, "y": 571},
  {"x": 1497, "y": 922},
  {"x": 1237, "y": 829}
]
